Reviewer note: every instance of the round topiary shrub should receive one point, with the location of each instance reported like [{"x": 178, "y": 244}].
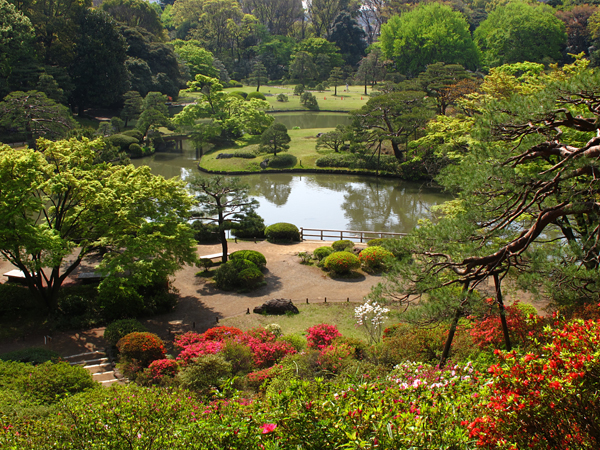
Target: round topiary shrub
[
  {"x": 121, "y": 140},
  {"x": 322, "y": 252},
  {"x": 205, "y": 372},
  {"x": 143, "y": 347},
  {"x": 283, "y": 160},
  {"x": 134, "y": 133},
  {"x": 341, "y": 262},
  {"x": 250, "y": 278},
  {"x": 251, "y": 255},
  {"x": 282, "y": 232},
  {"x": 227, "y": 276},
  {"x": 375, "y": 258},
  {"x": 342, "y": 245},
  {"x": 136, "y": 151},
  {"x": 121, "y": 328},
  {"x": 240, "y": 93},
  {"x": 378, "y": 242},
  {"x": 282, "y": 98},
  {"x": 258, "y": 95}
]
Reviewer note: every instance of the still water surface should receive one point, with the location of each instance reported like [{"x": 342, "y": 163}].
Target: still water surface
[{"x": 341, "y": 202}]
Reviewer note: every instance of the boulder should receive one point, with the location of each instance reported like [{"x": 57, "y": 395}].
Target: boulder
[{"x": 277, "y": 306}]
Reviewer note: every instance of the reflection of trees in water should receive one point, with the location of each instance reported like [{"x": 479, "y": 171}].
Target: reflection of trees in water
[
  {"x": 337, "y": 183},
  {"x": 274, "y": 188},
  {"x": 385, "y": 207}
]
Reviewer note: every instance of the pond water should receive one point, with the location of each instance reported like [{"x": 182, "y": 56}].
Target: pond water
[{"x": 340, "y": 202}]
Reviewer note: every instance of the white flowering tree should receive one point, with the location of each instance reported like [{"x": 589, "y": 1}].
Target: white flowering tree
[{"x": 371, "y": 316}]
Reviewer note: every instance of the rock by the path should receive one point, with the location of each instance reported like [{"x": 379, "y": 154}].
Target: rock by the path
[{"x": 277, "y": 306}]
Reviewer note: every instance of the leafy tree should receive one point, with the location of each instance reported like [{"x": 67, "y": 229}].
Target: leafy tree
[
  {"x": 391, "y": 117},
  {"x": 275, "y": 54},
  {"x": 334, "y": 140},
  {"x": 35, "y": 115},
  {"x": 132, "y": 107},
  {"x": 48, "y": 85},
  {"x": 438, "y": 82},
  {"x": 428, "y": 34},
  {"x": 371, "y": 68},
  {"x": 135, "y": 13},
  {"x": 348, "y": 35},
  {"x": 221, "y": 201},
  {"x": 325, "y": 55},
  {"x": 579, "y": 38},
  {"x": 518, "y": 32},
  {"x": 336, "y": 78},
  {"x": 154, "y": 112},
  {"x": 98, "y": 69},
  {"x": 371, "y": 14},
  {"x": 277, "y": 15},
  {"x": 322, "y": 13},
  {"x": 198, "y": 60},
  {"x": 258, "y": 75},
  {"x": 275, "y": 139},
  {"x": 302, "y": 67},
  {"x": 309, "y": 100},
  {"x": 58, "y": 207}
]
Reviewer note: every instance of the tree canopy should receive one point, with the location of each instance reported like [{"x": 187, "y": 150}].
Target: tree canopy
[
  {"x": 57, "y": 207},
  {"x": 430, "y": 33}
]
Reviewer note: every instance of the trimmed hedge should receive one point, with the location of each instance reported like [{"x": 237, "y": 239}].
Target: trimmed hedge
[
  {"x": 378, "y": 242},
  {"x": 375, "y": 258},
  {"x": 134, "y": 133},
  {"x": 282, "y": 161},
  {"x": 136, "y": 150},
  {"x": 240, "y": 93},
  {"x": 238, "y": 273},
  {"x": 251, "y": 255},
  {"x": 141, "y": 346},
  {"x": 282, "y": 232},
  {"x": 322, "y": 252},
  {"x": 342, "y": 245},
  {"x": 258, "y": 95},
  {"x": 121, "y": 140},
  {"x": 341, "y": 262}
]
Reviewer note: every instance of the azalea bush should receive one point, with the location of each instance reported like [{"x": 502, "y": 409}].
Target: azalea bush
[
  {"x": 375, "y": 258},
  {"x": 321, "y": 336},
  {"x": 341, "y": 262},
  {"x": 141, "y": 347}
]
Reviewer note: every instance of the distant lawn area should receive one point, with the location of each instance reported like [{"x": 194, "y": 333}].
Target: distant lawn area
[
  {"x": 302, "y": 147},
  {"x": 354, "y": 99}
]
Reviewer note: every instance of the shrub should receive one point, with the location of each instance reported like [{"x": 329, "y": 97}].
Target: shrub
[
  {"x": 257, "y": 378},
  {"x": 121, "y": 328},
  {"x": 198, "y": 349},
  {"x": 298, "y": 342},
  {"x": 205, "y": 372},
  {"x": 379, "y": 242},
  {"x": 162, "y": 368},
  {"x": 33, "y": 355},
  {"x": 16, "y": 298},
  {"x": 309, "y": 100},
  {"x": 250, "y": 255},
  {"x": 240, "y": 93},
  {"x": 254, "y": 94},
  {"x": 282, "y": 98},
  {"x": 342, "y": 245},
  {"x": 341, "y": 262},
  {"x": 250, "y": 226},
  {"x": 134, "y": 133},
  {"x": 406, "y": 343},
  {"x": 185, "y": 340},
  {"x": 136, "y": 150},
  {"x": 205, "y": 233},
  {"x": 334, "y": 358},
  {"x": 119, "y": 300},
  {"x": 299, "y": 89},
  {"x": 283, "y": 160},
  {"x": 141, "y": 346},
  {"x": 221, "y": 333},
  {"x": 321, "y": 336},
  {"x": 336, "y": 160},
  {"x": 268, "y": 353},
  {"x": 322, "y": 252},
  {"x": 375, "y": 258},
  {"x": 282, "y": 232},
  {"x": 360, "y": 347},
  {"x": 239, "y": 356},
  {"x": 237, "y": 273},
  {"x": 274, "y": 328},
  {"x": 50, "y": 382},
  {"x": 122, "y": 141}
]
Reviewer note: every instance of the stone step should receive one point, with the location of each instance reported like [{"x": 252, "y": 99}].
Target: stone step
[
  {"x": 98, "y": 368},
  {"x": 84, "y": 356},
  {"x": 104, "y": 376},
  {"x": 88, "y": 362}
]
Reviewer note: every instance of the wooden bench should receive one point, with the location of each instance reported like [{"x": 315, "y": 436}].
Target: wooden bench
[
  {"x": 214, "y": 256},
  {"x": 16, "y": 276},
  {"x": 90, "y": 277}
]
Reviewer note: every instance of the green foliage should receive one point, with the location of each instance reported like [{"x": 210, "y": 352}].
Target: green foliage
[
  {"x": 299, "y": 89},
  {"x": 16, "y": 299},
  {"x": 135, "y": 13},
  {"x": 198, "y": 60},
  {"x": 121, "y": 328},
  {"x": 205, "y": 372},
  {"x": 512, "y": 33},
  {"x": 205, "y": 233},
  {"x": 378, "y": 242},
  {"x": 257, "y": 95},
  {"x": 309, "y": 101},
  {"x": 375, "y": 258},
  {"x": 282, "y": 232},
  {"x": 436, "y": 30},
  {"x": 283, "y": 161},
  {"x": 275, "y": 139},
  {"x": 250, "y": 226},
  {"x": 250, "y": 278},
  {"x": 141, "y": 346},
  {"x": 333, "y": 140},
  {"x": 342, "y": 245},
  {"x": 136, "y": 150},
  {"x": 242, "y": 94},
  {"x": 122, "y": 141},
  {"x": 32, "y": 355},
  {"x": 238, "y": 273},
  {"x": 282, "y": 97},
  {"x": 297, "y": 341},
  {"x": 250, "y": 255},
  {"x": 322, "y": 252},
  {"x": 239, "y": 356},
  {"x": 341, "y": 262}
]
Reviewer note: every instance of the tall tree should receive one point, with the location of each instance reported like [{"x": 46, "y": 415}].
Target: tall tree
[
  {"x": 221, "y": 201},
  {"x": 371, "y": 68},
  {"x": 518, "y": 32},
  {"x": 132, "y": 107},
  {"x": 275, "y": 139},
  {"x": 155, "y": 112},
  {"x": 336, "y": 78},
  {"x": 277, "y": 15},
  {"x": 428, "y": 34},
  {"x": 371, "y": 16},
  {"x": 58, "y": 207},
  {"x": 579, "y": 38},
  {"x": 322, "y": 14},
  {"x": 349, "y": 37},
  {"x": 438, "y": 82},
  {"x": 135, "y": 13},
  {"x": 258, "y": 75},
  {"x": 197, "y": 59}
]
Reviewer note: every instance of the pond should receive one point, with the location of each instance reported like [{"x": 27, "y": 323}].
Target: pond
[{"x": 341, "y": 202}]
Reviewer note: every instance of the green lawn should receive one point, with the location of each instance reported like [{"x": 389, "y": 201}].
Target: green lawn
[
  {"x": 339, "y": 314},
  {"x": 354, "y": 99},
  {"x": 302, "y": 147}
]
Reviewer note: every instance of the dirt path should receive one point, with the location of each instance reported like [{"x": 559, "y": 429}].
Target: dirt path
[{"x": 200, "y": 304}]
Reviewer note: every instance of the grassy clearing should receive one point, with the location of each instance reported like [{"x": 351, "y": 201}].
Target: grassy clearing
[
  {"x": 302, "y": 147},
  {"x": 353, "y": 99},
  {"x": 339, "y": 314}
]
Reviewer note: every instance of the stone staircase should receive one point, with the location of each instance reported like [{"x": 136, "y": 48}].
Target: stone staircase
[{"x": 98, "y": 364}]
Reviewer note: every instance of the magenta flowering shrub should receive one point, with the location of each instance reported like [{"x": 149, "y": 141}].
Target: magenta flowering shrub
[
  {"x": 321, "y": 336},
  {"x": 185, "y": 340},
  {"x": 268, "y": 353},
  {"x": 258, "y": 377},
  {"x": 333, "y": 358},
  {"x": 163, "y": 368},
  {"x": 199, "y": 349}
]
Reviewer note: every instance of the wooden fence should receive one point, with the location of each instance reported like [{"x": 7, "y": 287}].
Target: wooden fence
[{"x": 360, "y": 236}]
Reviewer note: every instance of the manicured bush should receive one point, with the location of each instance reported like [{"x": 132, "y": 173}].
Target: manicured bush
[
  {"x": 205, "y": 372},
  {"x": 122, "y": 141},
  {"x": 336, "y": 160},
  {"x": 141, "y": 346},
  {"x": 121, "y": 328},
  {"x": 283, "y": 160},
  {"x": 205, "y": 233},
  {"x": 298, "y": 342},
  {"x": 342, "y": 245},
  {"x": 33, "y": 355},
  {"x": 134, "y": 133},
  {"x": 221, "y": 333},
  {"x": 240, "y": 93},
  {"x": 250, "y": 226},
  {"x": 378, "y": 242},
  {"x": 250, "y": 278},
  {"x": 252, "y": 256},
  {"x": 254, "y": 94},
  {"x": 322, "y": 252},
  {"x": 282, "y": 232},
  {"x": 375, "y": 258},
  {"x": 162, "y": 368},
  {"x": 282, "y": 97},
  {"x": 135, "y": 150},
  {"x": 341, "y": 262},
  {"x": 237, "y": 273},
  {"x": 321, "y": 336}
]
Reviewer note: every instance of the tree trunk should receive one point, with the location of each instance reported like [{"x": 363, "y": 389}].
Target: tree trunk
[
  {"x": 397, "y": 152},
  {"x": 452, "y": 330},
  {"x": 502, "y": 312}
]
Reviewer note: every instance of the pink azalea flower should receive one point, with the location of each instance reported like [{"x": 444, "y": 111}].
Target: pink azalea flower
[{"x": 268, "y": 428}]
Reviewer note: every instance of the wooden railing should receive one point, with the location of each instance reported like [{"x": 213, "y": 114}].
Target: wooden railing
[{"x": 360, "y": 236}]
